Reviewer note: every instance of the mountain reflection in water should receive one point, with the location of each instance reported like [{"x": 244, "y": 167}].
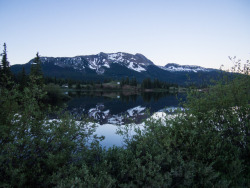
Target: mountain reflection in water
[{"x": 120, "y": 108}]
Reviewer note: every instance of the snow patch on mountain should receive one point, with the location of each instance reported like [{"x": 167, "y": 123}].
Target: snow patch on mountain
[
  {"x": 181, "y": 68},
  {"x": 127, "y": 60},
  {"x": 134, "y": 67},
  {"x": 117, "y": 57}
]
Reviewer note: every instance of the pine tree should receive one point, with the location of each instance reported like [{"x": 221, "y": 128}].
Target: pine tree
[
  {"x": 78, "y": 86},
  {"x": 55, "y": 81},
  {"x": 70, "y": 83},
  {"x": 156, "y": 83},
  {"x": 36, "y": 73},
  {"x": 122, "y": 82},
  {"x": 133, "y": 82},
  {"x": 23, "y": 82},
  {"x": 36, "y": 68},
  {"x": 127, "y": 81},
  {"x": 5, "y": 73},
  {"x": 5, "y": 64}
]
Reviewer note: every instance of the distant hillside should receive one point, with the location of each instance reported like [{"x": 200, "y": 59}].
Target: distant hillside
[{"x": 118, "y": 65}]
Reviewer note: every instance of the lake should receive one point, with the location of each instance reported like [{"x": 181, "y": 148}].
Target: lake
[{"x": 111, "y": 110}]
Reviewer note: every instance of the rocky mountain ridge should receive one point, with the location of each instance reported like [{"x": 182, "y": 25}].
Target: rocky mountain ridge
[
  {"x": 188, "y": 68},
  {"x": 117, "y": 66},
  {"x": 102, "y": 61}
]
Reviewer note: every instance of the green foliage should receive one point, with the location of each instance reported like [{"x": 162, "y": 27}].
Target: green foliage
[
  {"x": 5, "y": 73},
  {"x": 156, "y": 84},
  {"x": 78, "y": 86},
  {"x": 5, "y": 64},
  {"x": 36, "y": 74},
  {"x": 127, "y": 81},
  {"x": 146, "y": 84},
  {"x": 32, "y": 147},
  {"x": 23, "y": 80},
  {"x": 206, "y": 146}
]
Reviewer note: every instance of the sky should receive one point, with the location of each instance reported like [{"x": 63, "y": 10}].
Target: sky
[{"x": 187, "y": 32}]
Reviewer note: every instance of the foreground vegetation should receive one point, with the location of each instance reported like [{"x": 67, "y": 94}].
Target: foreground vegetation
[{"x": 207, "y": 146}]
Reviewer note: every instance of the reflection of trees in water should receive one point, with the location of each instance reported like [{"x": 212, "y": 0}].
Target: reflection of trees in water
[
  {"x": 133, "y": 97},
  {"x": 128, "y": 98},
  {"x": 147, "y": 96},
  {"x": 80, "y": 93},
  {"x": 124, "y": 98}
]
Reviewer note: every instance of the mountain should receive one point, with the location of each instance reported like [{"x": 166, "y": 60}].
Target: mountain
[
  {"x": 117, "y": 66},
  {"x": 173, "y": 67},
  {"x": 100, "y": 62}
]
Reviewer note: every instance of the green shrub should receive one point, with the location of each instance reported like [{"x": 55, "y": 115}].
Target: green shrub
[{"x": 32, "y": 147}]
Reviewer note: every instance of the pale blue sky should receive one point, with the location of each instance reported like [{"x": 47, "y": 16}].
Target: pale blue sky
[{"x": 202, "y": 32}]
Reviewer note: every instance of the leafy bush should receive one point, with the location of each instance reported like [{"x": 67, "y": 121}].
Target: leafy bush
[
  {"x": 208, "y": 145},
  {"x": 32, "y": 147}
]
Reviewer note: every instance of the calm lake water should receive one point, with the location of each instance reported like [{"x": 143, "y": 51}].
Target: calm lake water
[{"x": 114, "y": 109}]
